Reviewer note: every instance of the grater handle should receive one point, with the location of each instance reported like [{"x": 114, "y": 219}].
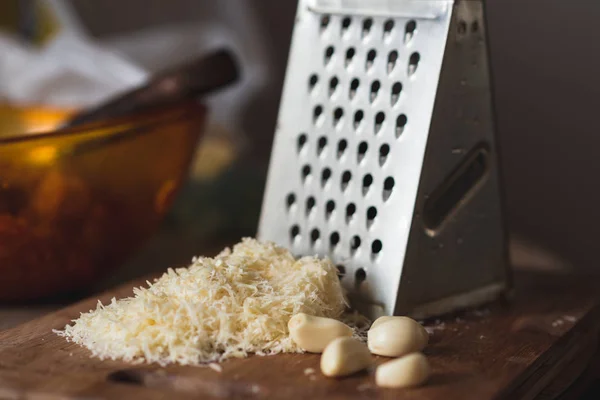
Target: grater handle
[{"x": 417, "y": 9}]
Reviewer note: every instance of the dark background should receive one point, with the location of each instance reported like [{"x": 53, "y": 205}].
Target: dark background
[{"x": 545, "y": 59}]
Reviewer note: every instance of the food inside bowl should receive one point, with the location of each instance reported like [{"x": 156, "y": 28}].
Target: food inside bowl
[{"x": 75, "y": 204}]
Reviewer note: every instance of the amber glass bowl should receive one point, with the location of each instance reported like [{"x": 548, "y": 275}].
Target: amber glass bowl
[{"x": 74, "y": 204}]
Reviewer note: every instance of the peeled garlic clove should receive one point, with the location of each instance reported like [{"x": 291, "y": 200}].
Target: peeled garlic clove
[
  {"x": 313, "y": 334},
  {"x": 396, "y": 336},
  {"x": 408, "y": 371},
  {"x": 382, "y": 319},
  {"x": 345, "y": 356}
]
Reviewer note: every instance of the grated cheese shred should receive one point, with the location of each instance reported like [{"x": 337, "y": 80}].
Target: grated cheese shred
[{"x": 218, "y": 308}]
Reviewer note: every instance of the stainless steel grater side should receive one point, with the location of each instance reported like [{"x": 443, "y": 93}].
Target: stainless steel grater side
[{"x": 384, "y": 156}]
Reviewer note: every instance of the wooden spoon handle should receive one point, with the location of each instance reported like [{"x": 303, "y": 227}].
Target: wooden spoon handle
[{"x": 196, "y": 78}]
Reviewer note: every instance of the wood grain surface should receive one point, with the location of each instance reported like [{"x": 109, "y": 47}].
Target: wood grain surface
[{"x": 536, "y": 344}]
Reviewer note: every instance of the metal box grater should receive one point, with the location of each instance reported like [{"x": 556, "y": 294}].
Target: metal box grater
[{"x": 384, "y": 156}]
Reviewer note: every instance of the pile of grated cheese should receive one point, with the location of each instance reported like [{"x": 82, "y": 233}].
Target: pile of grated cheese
[{"x": 236, "y": 303}]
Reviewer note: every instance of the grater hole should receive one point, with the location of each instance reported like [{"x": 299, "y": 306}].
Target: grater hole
[
  {"x": 312, "y": 82},
  {"x": 353, "y": 88},
  {"x": 362, "y": 151},
  {"x": 301, "y": 141},
  {"x": 475, "y": 26},
  {"x": 294, "y": 232},
  {"x": 358, "y": 117},
  {"x": 379, "y": 120},
  {"x": 334, "y": 239},
  {"x": 375, "y": 86},
  {"x": 325, "y": 19},
  {"x": 350, "y": 211},
  {"x": 409, "y": 30},
  {"x": 325, "y": 175},
  {"x": 384, "y": 150},
  {"x": 338, "y": 113},
  {"x": 462, "y": 27},
  {"x": 366, "y": 27},
  {"x": 370, "y": 59},
  {"x": 392, "y": 59},
  {"x": 341, "y": 271},
  {"x": 346, "y": 178},
  {"x": 354, "y": 244},
  {"x": 400, "y": 124},
  {"x": 310, "y": 204},
  {"x": 360, "y": 276},
  {"x": 306, "y": 171},
  {"x": 328, "y": 54},
  {"x": 388, "y": 26},
  {"x": 371, "y": 214},
  {"x": 350, "y": 53},
  {"x": 413, "y": 63},
  {"x": 333, "y": 83},
  {"x": 314, "y": 236},
  {"x": 317, "y": 112},
  {"x": 321, "y": 144},
  {"x": 342, "y": 145},
  {"x": 376, "y": 247},
  {"x": 396, "y": 89},
  {"x": 346, "y": 21},
  {"x": 366, "y": 183},
  {"x": 290, "y": 200},
  {"x": 388, "y": 186},
  {"x": 329, "y": 208}
]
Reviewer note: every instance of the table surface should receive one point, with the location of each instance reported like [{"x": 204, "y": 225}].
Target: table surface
[{"x": 535, "y": 345}]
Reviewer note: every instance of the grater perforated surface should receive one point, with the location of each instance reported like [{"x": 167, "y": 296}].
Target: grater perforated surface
[{"x": 350, "y": 140}]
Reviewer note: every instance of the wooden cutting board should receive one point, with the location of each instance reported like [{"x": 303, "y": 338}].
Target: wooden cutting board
[{"x": 534, "y": 345}]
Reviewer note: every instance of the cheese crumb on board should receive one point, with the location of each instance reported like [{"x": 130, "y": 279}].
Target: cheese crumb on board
[
  {"x": 215, "y": 367},
  {"x": 218, "y": 308}
]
